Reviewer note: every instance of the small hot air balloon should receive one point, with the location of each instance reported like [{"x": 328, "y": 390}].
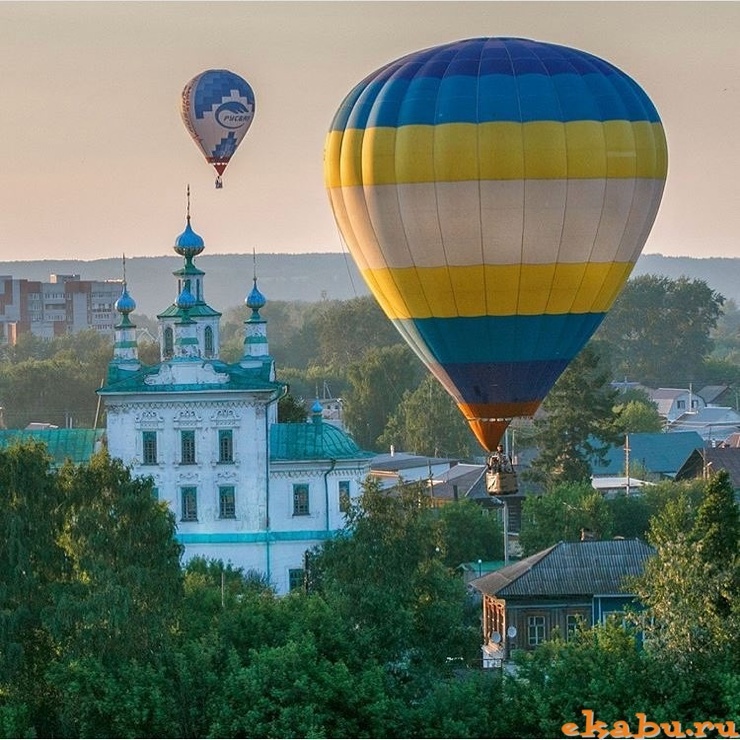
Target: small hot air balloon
[
  {"x": 496, "y": 194},
  {"x": 217, "y": 110}
]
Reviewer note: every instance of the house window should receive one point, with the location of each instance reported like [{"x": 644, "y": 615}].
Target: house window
[
  {"x": 187, "y": 447},
  {"x": 169, "y": 343},
  {"x": 189, "y": 498},
  {"x": 617, "y": 616},
  {"x": 573, "y": 623},
  {"x": 149, "y": 445},
  {"x": 535, "y": 630},
  {"x": 295, "y": 579},
  {"x": 226, "y": 502},
  {"x": 300, "y": 499},
  {"x": 208, "y": 341},
  {"x": 344, "y": 498},
  {"x": 225, "y": 446}
]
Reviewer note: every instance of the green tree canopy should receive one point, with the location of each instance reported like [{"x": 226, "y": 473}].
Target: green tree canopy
[
  {"x": 660, "y": 329},
  {"x": 428, "y": 422},
  {"x": 377, "y": 382},
  {"x": 563, "y": 514},
  {"x": 577, "y": 422},
  {"x": 692, "y": 586}
]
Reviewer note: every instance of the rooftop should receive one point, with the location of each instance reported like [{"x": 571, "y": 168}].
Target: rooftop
[{"x": 588, "y": 567}]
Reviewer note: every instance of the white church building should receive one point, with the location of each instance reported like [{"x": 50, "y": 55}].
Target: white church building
[{"x": 244, "y": 488}]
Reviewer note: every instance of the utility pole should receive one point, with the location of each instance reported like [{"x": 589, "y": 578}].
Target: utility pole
[{"x": 627, "y": 462}]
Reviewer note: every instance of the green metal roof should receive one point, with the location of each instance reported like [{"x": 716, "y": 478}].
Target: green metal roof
[
  {"x": 312, "y": 441},
  {"x": 660, "y": 453},
  {"x": 76, "y": 445},
  {"x": 199, "y": 310},
  {"x": 257, "y": 378}
]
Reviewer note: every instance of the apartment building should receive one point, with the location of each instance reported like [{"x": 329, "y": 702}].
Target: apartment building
[{"x": 64, "y": 305}]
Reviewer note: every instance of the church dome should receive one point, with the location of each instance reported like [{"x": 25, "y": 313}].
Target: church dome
[
  {"x": 255, "y": 300},
  {"x": 189, "y": 244},
  {"x": 186, "y": 300},
  {"x": 125, "y": 304}
]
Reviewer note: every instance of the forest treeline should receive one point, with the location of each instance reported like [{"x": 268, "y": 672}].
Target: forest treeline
[{"x": 103, "y": 634}]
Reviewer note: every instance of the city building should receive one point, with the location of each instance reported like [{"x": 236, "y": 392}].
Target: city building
[
  {"x": 244, "y": 488},
  {"x": 64, "y": 305}
]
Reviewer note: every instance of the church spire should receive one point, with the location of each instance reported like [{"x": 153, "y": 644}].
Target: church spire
[
  {"x": 255, "y": 327},
  {"x": 125, "y": 348}
]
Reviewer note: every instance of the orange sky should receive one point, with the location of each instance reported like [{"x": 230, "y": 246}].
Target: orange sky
[{"x": 96, "y": 160}]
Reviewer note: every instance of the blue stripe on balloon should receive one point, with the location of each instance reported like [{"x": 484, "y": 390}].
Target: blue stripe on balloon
[
  {"x": 510, "y": 382},
  {"x": 482, "y": 80},
  {"x": 503, "y": 339}
]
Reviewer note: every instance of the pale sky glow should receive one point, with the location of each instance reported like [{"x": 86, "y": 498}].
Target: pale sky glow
[{"x": 96, "y": 160}]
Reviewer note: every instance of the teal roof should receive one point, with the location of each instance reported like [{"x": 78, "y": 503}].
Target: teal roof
[
  {"x": 662, "y": 453},
  {"x": 312, "y": 441},
  {"x": 199, "y": 310},
  {"x": 76, "y": 445},
  {"x": 256, "y": 378}
]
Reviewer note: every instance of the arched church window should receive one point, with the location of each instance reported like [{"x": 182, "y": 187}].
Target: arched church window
[
  {"x": 169, "y": 343},
  {"x": 208, "y": 341}
]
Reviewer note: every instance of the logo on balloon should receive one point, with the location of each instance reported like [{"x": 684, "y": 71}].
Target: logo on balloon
[{"x": 233, "y": 114}]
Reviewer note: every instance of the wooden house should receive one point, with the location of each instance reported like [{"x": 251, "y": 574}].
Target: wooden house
[{"x": 566, "y": 585}]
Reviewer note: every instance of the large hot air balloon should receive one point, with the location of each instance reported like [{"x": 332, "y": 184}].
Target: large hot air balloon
[
  {"x": 217, "y": 110},
  {"x": 496, "y": 194}
]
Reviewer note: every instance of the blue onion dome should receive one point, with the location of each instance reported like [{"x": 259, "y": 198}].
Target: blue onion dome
[
  {"x": 317, "y": 408},
  {"x": 255, "y": 300},
  {"x": 125, "y": 304},
  {"x": 189, "y": 244},
  {"x": 186, "y": 300}
]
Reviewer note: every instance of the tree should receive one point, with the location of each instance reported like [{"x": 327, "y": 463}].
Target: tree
[
  {"x": 428, "y": 422},
  {"x": 691, "y": 587},
  {"x": 660, "y": 329},
  {"x": 291, "y": 410},
  {"x": 119, "y": 600},
  {"x": 386, "y": 576},
  {"x": 636, "y": 412},
  {"x": 563, "y": 514},
  {"x": 578, "y": 421},
  {"x": 348, "y": 328},
  {"x": 376, "y": 386},
  {"x": 31, "y": 564}
]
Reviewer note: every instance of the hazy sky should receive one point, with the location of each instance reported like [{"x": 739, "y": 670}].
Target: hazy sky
[{"x": 96, "y": 160}]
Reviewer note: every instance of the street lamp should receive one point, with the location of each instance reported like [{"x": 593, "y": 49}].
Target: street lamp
[{"x": 480, "y": 563}]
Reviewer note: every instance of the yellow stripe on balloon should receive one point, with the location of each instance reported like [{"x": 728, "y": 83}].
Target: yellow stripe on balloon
[
  {"x": 526, "y": 290},
  {"x": 495, "y": 151}
]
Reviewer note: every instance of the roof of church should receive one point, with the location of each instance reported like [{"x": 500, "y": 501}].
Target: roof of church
[
  {"x": 205, "y": 375},
  {"x": 199, "y": 310},
  {"x": 76, "y": 445},
  {"x": 314, "y": 440}
]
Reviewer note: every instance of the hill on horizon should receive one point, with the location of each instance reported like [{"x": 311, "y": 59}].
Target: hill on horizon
[{"x": 304, "y": 277}]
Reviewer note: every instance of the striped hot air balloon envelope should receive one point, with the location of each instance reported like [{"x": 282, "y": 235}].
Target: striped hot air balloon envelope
[
  {"x": 496, "y": 194},
  {"x": 217, "y": 108}
]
